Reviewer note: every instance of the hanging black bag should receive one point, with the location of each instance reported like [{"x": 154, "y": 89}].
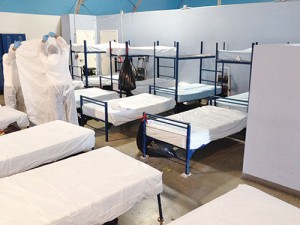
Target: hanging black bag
[{"x": 127, "y": 76}]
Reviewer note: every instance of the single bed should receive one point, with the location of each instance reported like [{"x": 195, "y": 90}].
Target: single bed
[
  {"x": 238, "y": 102},
  {"x": 243, "y": 205},
  {"x": 193, "y": 129},
  {"x": 95, "y": 93},
  {"x": 29, "y": 148},
  {"x": 123, "y": 110},
  {"x": 9, "y": 115},
  {"x": 91, "y": 188}
]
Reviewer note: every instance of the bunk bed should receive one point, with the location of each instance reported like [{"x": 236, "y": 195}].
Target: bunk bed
[
  {"x": 142, "y": 86},
  {"x": 41, "y": 144},
  {"x": 89, "y": 80},
  {"x": 185, "y": 92},
  {"x": 243, "y": 205},
  {"x": 90, "y": 188},
  {"x": 193, "y": 129},
  {"x": 119, "y": 111},
  {"x": 9, "y": 115},
  {"x": 242, "y": 57}
]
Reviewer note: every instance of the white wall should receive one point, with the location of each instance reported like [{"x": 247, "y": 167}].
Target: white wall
[
  {"x": 34, "y": 26},
  {"x": 272, "y": 150},
  {"x": 237, "y": 25}
]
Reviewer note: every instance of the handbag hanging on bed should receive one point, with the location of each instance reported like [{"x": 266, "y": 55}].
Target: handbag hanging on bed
[{"x": 127, "y": 76}]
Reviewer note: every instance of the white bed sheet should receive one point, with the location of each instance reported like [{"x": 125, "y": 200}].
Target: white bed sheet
[
  {"x": 194, "y": 91},
  {"x": 145, "y": 50},
  {"x": 91, "y": 188},
  {"x": 29, "y": 148},
  {"x": 9, "y": 115},
  {"x": 236, "y": 55},
  {"x": 230, "y": 102},
  {"x": 77, "y": 84},
  {"x": 127, "y": 109},
  {"x": 103, "y": 47},
  {"x": 208, "y": 123},
  {"x": 93, "y": 81},
  {"x": 244, "y": 205},
  {"x": 95, "y": 93}
]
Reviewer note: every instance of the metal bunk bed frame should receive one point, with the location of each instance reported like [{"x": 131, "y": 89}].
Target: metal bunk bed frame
[
  {"x": 85, "y": 69},
  {"x": 178, "y": 58}
]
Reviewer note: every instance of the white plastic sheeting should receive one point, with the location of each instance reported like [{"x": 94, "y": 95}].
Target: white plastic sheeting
[
  {"x": 13, "y": 95},
  {"x": 48, "y": 142},
  {"x": 91, "y": 188},
  {"x": 46, "y": 83},
  {"x": 243, "y": 205},
  {"x": 10, "y": 115}
]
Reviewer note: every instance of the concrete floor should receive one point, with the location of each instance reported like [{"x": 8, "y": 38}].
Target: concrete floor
[{"x": 216, "y": 169}]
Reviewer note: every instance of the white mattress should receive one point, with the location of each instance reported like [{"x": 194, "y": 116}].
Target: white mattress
[
  {"x": 93, "y": 81},
  {"x": 103, "y": 47},
  {"x": 236, "y": 55},
  {"x": 142, "y": 86},
  {"x": 77, "y": 84},
  {"x": 208, "y": 123},
  {"x": 9, "y": 115},
  {"x": 29, "y": 148},
  {"x": 238, "y": 102},
  {"x": 194, "y": 91},
  {"x": 91, "y": 188},
  {"x": 95, "y": 93},
  {"x": 145, "y": 50},
  {"x": 244, "y": 205},
  {"x": 106, "y": 80},
  {"x": 127, "y": 109}
]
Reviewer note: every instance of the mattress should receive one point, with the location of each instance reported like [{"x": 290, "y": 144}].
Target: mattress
[
  {"x": 142, "y": 86},
  {"x": 145, "y": 51},
  {"x": 93, "y": 81},
  {"x": 195, "y": 91},
  {"x": 235, "y": 55},
  {"x": 29, "y": 148},
  {"x": 106, "y": 80},
  {"x": 95, "y": 93},
  {"x": 77, "y": 84},
  {"x": 127, "y": 109},
  {"x": 243, "y": 205},
  {"x": 9, "y": 115},
  {"x": 208, "y": 123},
  {"x": 103, "y": 47},
  {"x": 238, "y": 102},
  {"x": 91, "y": 188}
]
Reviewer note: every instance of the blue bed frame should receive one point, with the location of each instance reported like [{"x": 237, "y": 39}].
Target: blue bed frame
[
  {"x": 85, "y": 70},
  {"x": 177, "y": 58},
  {"x": 184, "y": 125}
]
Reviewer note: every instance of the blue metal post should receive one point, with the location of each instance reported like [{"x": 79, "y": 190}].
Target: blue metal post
[
  {"x": 106, "y": 121},
  {"x": 144, "y": 135},
  {"x": 176, "y": 71},
  {"x": 160, "y": 218},
  {"x": 86, "y": 64},
  {"x": 216, "y": 67},
  {"x": 201, "y": 52},
  {"x": 110, "y": 66},
  {"x": 71, "y": 61},
  {"x": 188, "y": 153}
]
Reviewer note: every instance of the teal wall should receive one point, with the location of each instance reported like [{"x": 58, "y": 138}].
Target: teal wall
[{"x": 103, "y": 7}]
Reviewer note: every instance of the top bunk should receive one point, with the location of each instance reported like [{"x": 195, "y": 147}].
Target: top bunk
[
  {"x": 96, "y": 48},
  {"x": 234, "y": 56},
  {"x": 131, "y": 51},
  {"x": 180, "y": 56}
]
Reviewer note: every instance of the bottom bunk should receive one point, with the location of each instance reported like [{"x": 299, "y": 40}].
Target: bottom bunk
[
  {"x": 123, "y": 110},
  {"x": 243, "y": 205},
  {"x": 238, "y": 102},
  {"x": 90, "y": 188},
  {"x": 193, "y": 129}
]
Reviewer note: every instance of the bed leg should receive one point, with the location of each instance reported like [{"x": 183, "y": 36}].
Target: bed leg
[
  {"x": 106, "y": 121},
  {"x": 160, "y": 218}
]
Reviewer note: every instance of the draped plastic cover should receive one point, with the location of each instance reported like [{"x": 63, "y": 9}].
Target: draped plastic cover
[
  {"x": 91, "y": 188},
  {"x": 43, "y": 86},
  {"x": 41, "y": 144},
  {"x": 244, "y": 205}
]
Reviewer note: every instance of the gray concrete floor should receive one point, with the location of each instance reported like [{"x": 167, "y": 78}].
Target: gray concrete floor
[{"x": 216, "y": 168}]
